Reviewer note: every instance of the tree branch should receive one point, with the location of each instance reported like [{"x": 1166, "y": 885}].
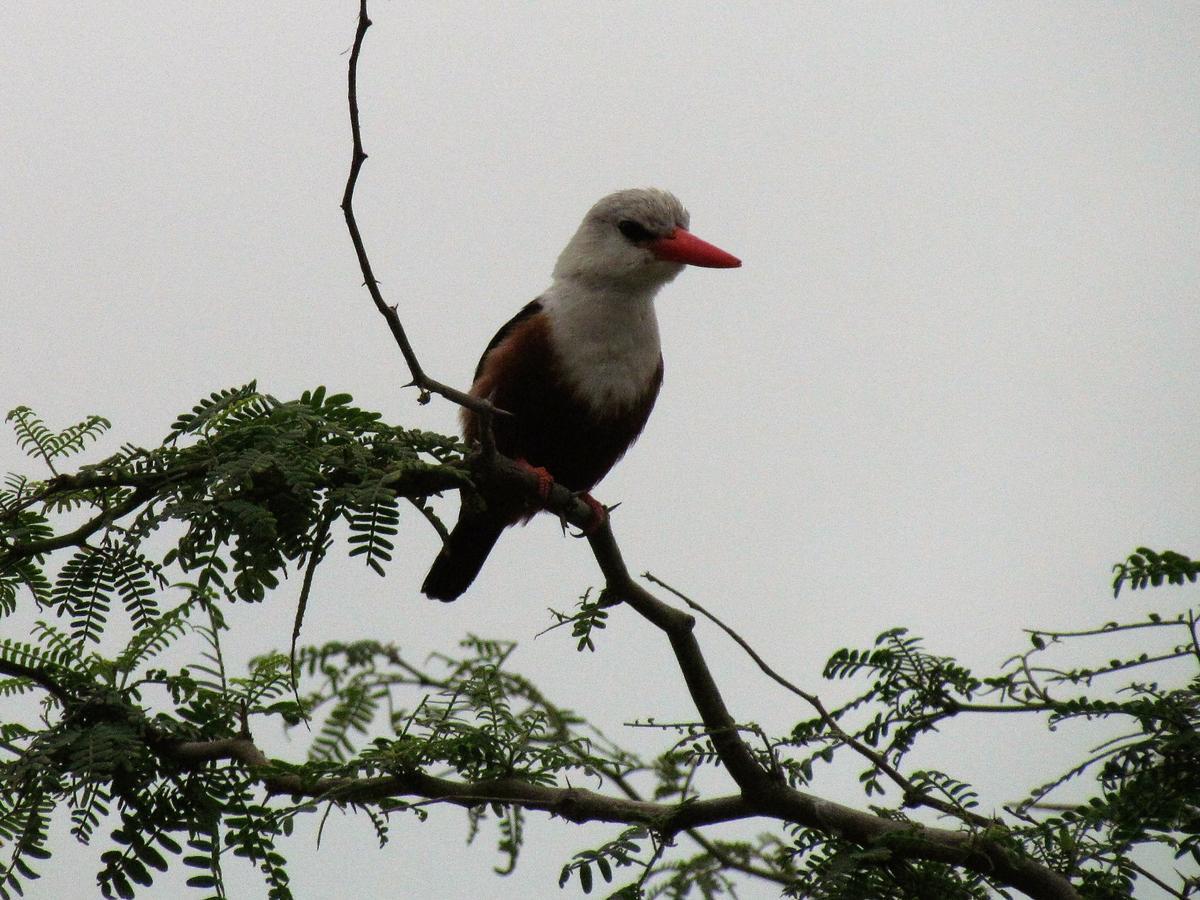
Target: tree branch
[
  {"x": 762, "y": 793},
  {"x": 409, "y": 482},
  {"x": 72, "y": 538},
  {"x": 913, "y": 796},
  {"x": 38, "y": 676},
  {"x": 576, "y": 804},
  {"x": 770, "y": 797},
  {"x": 422, "y": 381}
]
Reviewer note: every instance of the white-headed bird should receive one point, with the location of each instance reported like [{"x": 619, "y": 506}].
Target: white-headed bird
[{"x": 579, "y": 368}]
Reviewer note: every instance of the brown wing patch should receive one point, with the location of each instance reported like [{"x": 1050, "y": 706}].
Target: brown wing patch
[
  {"x": 518, "y": 355},
  {"x": 527, "y": 311},
  {"x": 549, "y": 425}
]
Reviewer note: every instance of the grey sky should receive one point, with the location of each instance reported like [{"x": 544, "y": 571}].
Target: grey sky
[{"x": 954, "y": 381}]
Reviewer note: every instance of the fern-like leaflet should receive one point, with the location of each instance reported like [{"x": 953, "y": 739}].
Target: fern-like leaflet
[
  {"x": 38, "y": 440},
  {"x": 374, "y": 519}
]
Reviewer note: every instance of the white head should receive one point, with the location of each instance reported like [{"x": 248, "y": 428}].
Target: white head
[{"x": 638, "y": 239}]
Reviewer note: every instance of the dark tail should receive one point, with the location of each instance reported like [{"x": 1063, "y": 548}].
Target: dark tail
[{"x": 463, "y": 556}]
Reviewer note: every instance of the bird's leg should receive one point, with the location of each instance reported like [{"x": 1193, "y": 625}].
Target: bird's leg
[
  {"x": 599, "y": 514},
  {"x": 545, "y": 479},
  {"x": 546, "y": 482}
]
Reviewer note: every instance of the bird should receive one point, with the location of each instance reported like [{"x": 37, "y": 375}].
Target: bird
[{"x": 578, "y": 369}]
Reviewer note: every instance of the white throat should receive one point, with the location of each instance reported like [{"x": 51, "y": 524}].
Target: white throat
[{"x": 606, "y": 340}]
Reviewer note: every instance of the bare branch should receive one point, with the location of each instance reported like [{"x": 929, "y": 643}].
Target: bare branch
[
  {"x": 1111, "y": 628},
  {"x": 913, "y": 795},
  {"x": 422, "y": 381}
]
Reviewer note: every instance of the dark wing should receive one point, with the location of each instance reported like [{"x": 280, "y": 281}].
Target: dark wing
[{"x": 531, "y": 309}]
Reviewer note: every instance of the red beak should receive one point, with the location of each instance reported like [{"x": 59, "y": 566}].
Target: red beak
[{"x": 683, "y": 246}]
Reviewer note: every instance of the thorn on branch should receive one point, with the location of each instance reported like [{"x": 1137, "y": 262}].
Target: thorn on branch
[{"x": 568, "y": 806}]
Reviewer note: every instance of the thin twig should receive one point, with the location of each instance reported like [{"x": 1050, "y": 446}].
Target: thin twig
[
  {"x": 80, "y": 534},
  {"x": 427, "y": 385},
  {"x": 1191, "y": 621},
  {"x": 431, "y": 518},
  {"x": 1153, "y": 879},
  {"x": 913, "y": 795},
  {"x": 1111, "y": 628},
  {"x": 38, "y": 676},
  {"x": 316, "y": 553}
]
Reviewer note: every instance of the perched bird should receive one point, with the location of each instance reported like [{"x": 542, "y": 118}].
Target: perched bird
[{"x": 579, "y": 368}]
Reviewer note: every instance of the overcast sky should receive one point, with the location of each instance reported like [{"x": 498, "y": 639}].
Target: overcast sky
[{"x": 954, "y": 381}]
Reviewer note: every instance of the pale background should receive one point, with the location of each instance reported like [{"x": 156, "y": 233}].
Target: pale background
[{"x": 954, "y": 382}]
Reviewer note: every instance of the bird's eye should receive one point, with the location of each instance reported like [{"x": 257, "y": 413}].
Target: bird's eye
[{"x": 634, "y": 232}]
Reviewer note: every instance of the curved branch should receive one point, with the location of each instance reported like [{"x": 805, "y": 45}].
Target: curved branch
[
  {"x": 72, "y": 538},
  {"x": 913, "y": 795},
  {"x": 422, "y": 381},
  {"x": 767, "y": 795},
  {"x": 762, "y": 793},
  {"x": 771, "y": 797},
  {"x": 576, "y": 804},
  {"x": 38, "y": 676}
]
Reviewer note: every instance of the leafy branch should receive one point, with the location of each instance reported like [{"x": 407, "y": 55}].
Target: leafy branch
[{"x": 245, "y": 489}]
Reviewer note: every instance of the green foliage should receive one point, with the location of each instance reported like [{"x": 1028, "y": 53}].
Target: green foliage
[
  {"x": 90, "y": 579},
  {"x": 592, "y": 616},
  {"x": 1146, "y": 568},
  {"x": 1142, "y": 785},
  {"x": 239, "y": 480},
  {"x": 374, "y": 520},
  {"x": 36, "y": 438},
  {"x": 100, "y": 749},
  {"x": 829, "y": 869},
  {"x": 622, "y": 852},
  {"x": 245, "y": 490}
]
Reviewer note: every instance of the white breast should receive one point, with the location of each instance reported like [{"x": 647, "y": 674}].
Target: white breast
[{"x": 606, "y": 342}]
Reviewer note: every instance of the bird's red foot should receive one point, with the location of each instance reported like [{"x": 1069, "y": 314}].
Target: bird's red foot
[
  {"x": 599, "y": 513},
  {"x": 545, "y": 479}
]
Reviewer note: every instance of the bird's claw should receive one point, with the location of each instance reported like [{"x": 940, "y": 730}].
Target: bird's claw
[{"x": 599, "y": 515}]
